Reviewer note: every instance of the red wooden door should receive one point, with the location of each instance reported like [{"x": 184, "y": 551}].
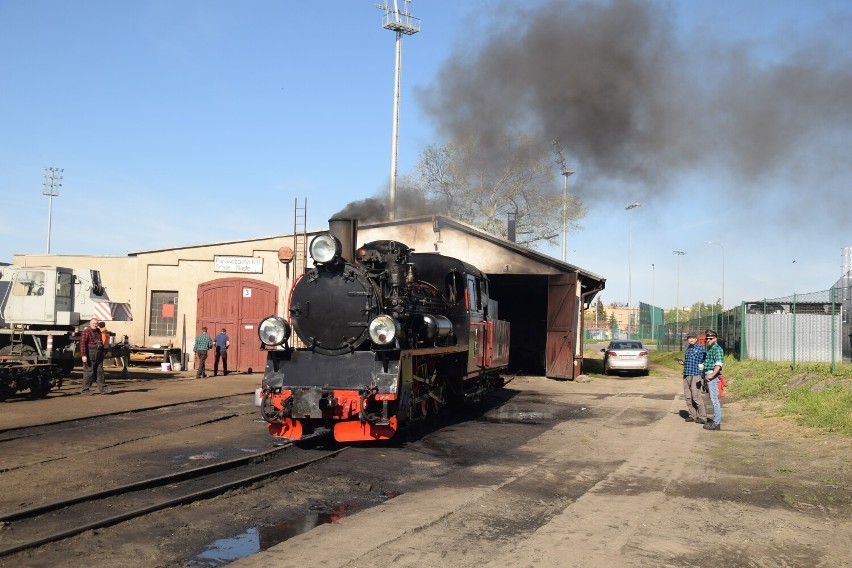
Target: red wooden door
[
  {"x": 234, "y": 304},
  {"x": 257, "y": 301},
  {"x": 561, "y": 326}
]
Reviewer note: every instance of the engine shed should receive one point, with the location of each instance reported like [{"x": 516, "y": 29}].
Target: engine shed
[{"x": 542, "y": 297}]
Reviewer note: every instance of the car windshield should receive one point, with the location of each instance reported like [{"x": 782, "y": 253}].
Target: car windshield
[{"x": 627, "y": 345}]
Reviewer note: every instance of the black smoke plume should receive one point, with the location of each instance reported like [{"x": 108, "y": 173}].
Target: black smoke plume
[
  {"x": 409, "y": 203},
  {"x": 637, "y": 101}
]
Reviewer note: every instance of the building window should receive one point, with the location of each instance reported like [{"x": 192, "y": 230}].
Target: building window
[{"x": 163, "y": 314}]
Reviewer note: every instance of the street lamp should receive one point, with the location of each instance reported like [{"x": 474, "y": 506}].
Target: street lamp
[
  {"x": 52, "y": 183},
  {"x": 721, "y": 246},
  {"x": 629, "y": 208},
  {"x": 566, "y": 171},
  {"x": 679, "y": 254},
  {"x": 653, "y": 305}
]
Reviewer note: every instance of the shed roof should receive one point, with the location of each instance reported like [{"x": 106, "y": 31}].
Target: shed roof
[{"x": 591, "y": 280}]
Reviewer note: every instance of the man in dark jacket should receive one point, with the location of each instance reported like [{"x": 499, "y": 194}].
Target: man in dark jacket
[
  {"x": 92, "y": 354},
  {"x": 222, "y": 343}
]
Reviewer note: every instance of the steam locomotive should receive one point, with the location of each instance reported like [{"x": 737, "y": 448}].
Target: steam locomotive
[{"x": 384, "y": 336}]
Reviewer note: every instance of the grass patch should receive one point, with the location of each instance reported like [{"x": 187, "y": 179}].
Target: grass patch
[
  {"x": 828, "y": 408},
  {"x": 810, "y": 393},
  {"x": 667, "y": 359}
]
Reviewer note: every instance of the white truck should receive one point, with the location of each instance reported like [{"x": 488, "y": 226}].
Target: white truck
[{"x": 42, "y": 312}]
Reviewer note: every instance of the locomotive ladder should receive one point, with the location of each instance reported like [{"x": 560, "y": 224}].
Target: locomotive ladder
[
  {"x": 300, "y": 237},
  {"x": 300, "y": 247}
]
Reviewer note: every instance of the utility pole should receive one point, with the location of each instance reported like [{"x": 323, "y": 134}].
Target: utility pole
[
  {"x": 679, "y": 254},
  {"x": 565, "y": 171},
  {"x": 629, "y": 208},
  {"x": 52, "y": 183},
  {"x": 653, "y": 306},
  {"x": 400, "y": 22}
]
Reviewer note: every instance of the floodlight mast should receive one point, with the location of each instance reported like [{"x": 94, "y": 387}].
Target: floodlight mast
[
  {"x": 400, "y": 22},
  {"x": 52, "y": 183}
]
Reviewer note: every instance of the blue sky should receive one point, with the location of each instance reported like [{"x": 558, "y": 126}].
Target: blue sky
[{"x": 189, "y": 122}]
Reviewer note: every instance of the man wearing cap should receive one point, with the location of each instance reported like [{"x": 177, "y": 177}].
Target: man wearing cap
[
  {"x": 203, "y": 343},
  {"x": 222, "y": 342},
  {"x": 693, "y": 362},
  {"x": 712, "y": 370},
  {"x": 92, "y": 354}
]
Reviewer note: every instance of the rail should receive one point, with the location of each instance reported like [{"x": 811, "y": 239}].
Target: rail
[{"x": 29, "y": 520}]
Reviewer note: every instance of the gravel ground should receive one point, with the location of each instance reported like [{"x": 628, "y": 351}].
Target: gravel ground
[{"x": 602, "y": 473}]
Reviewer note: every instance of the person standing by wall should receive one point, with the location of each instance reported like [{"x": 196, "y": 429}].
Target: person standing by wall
[
  {"x": 203, "y": 343},
  {"x": 222, "y": 343},
  {"x": 693, "y": 363},
  {"x": 92, "y": 354},
  {"x": 712, "y": 369}
]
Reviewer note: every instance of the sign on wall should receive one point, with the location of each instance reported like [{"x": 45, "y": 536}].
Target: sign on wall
[{"x": 244, "y": 264}]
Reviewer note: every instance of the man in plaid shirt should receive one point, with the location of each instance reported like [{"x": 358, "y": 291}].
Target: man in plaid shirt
[
  {"x": 713, "y": 361},
  {"x": 203, "y": 343},
  {"x": 693, "y": 362}
]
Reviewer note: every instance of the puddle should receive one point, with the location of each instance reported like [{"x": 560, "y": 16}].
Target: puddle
[{"x": 255, "y": 539}]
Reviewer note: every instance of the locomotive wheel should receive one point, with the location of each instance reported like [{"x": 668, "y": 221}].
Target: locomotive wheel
[
  {"x": 438, "y": 395},
  {"x": 39, "y": 387}
]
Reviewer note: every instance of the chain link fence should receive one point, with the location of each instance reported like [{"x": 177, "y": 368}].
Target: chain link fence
[{"x": 812, "y": 327}]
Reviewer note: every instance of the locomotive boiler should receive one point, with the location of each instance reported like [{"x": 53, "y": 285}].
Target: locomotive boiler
[{"x": 383, "y": 336}]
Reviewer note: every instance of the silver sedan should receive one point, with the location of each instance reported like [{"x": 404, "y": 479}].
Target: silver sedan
[{"x": 625, "y": 355}]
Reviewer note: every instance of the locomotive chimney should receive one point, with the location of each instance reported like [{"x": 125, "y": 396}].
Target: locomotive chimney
[{"x": 345, "y": 231}]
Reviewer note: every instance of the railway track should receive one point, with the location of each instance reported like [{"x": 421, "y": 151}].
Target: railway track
[
  {"x": 34, "y": 446},
  {"x": 20, "y": 432},
  {"x": 36, "y": 526}
]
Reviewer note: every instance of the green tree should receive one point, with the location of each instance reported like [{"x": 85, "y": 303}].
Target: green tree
[{"x": 600, "y": 310}]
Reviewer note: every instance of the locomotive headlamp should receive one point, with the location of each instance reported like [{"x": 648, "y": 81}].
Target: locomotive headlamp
[
  {"x": 384, "y": 330},
  {"x": 324, "y": 249},
  {"x": 273, "y": 330}
]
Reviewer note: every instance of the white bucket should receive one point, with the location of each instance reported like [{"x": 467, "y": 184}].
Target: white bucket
[
  {"x": 165, "y": 367},
  {"x": 176, "y": 367},
  {"x": 258, "y": 397}
]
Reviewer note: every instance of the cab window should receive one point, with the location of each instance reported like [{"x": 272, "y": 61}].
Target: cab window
[
  {"x": 474, "y": 294},
  {"x": 29, "y": 284}
]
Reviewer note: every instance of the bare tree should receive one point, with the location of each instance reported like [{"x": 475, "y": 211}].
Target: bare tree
[{"x": 480, "y": 182}]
